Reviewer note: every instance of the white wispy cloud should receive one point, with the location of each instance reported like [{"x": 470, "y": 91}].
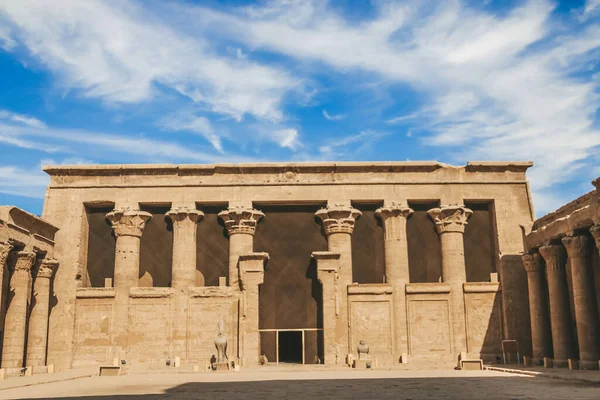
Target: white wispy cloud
[
  {"x": 120, "y": 52},
  {"x": 492, "y": 93},
  {"x": 334, "y": 117},
  {"x": 27, "y": 182},
  {"x": 22, "y": 119},
  {"x": 338, "y": 147},
  {"x": 186, "y": 121}
]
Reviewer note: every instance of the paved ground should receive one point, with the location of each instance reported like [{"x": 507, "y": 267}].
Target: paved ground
[{"x": 313, "y": 385}]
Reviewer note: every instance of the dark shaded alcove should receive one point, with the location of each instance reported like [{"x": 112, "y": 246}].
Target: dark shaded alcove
[
  {"x": 101, "y": 246},
  {"x": 291, "y": 296},
  {"x": 368, "y": 262},
  {"x": 479, "y": 242},
  {"x": 156, "y": 248},
  {"x": 424, "y": 249},
  {"x": 212, "y": 247}
]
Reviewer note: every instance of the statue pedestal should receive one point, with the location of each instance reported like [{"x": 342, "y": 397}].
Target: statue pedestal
[
  {"x": 221, "y": 366},
  {"x": 362, "y": 364}
]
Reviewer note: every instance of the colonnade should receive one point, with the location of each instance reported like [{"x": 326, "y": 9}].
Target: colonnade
[
  {"x": 549, "y": 303},
  {"x": 29, "y": 272},
  {"x": 246, "y": 273}
]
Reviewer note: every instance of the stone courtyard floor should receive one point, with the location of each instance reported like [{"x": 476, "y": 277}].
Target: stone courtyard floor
[{"x": 313, "y": 385}]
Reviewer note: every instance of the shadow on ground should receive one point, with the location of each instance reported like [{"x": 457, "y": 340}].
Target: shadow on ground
[{"x": 509, "y": 387}]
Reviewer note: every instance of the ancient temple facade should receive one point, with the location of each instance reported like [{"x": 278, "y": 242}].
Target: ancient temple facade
[
  {"x": 563, "y": 272},
  {"x": 421, "y": 260}
]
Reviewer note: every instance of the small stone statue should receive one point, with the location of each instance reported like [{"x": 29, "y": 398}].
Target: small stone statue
[
  {"x": 362, "y": 349},
  {"x": 221, "y": 343}
]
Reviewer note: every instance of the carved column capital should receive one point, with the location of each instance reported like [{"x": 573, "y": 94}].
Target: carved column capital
[
  {"x": 532, "y": 262},
  {"x": 338, "y": 218},
  {"x": 239, "y": 219},
  {"x": 182, "y": 214},
  {"x": 5, "y": 248},
  {"x": 595, "y": 231},
  {"x": 576, "y": 245},
  {"x": 450, "y": 218},
  {"x": 390, "y": 216},
  {"x": 555, "y": 256},
  {"x": 126, "y": 222},
  {"x": 47, "y": 268}
]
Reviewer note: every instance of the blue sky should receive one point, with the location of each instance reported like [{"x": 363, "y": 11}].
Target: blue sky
[{"x": 231, "y": 81}]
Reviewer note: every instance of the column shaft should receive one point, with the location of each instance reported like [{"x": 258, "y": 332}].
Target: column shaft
[
  {"x": 38, "y": 320},
  {"x": 396, "y": 266},
  {"x": 538, "y": 309},
  {"x": 586, "y": 313},
  {"x": 327, "y": 273},
  {"x": 13, "y": 348},
  {"x": 450, "y": 222},
  {"x": 251, "y": 277},
  {"x": 338, "y": 221},
  {"x": 240, "y": 243},
  {"x": 183, "y": 274},
  {"x": 128, "y": 226},
  {"x": 560, "y": 313}
]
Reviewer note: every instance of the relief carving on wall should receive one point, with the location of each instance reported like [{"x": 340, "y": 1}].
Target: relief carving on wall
[{"x": 429, "y": 330}]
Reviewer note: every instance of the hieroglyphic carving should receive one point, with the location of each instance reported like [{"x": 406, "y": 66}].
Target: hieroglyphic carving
[
  {"x": 429, "y": 326},
  {"x": 372, "y": 322},
  {"x": 201, "y": 334},
  {"x": 484, "y": 325},
  {"x": 150, "y": 329},
  {"x": 93, "y": 332}
]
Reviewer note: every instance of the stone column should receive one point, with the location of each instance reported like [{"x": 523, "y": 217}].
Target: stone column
[
  {"x": 450, "y": 222},
  {"x": 560, "y": 313},
  {"x": 538, "y": 308},
  {"x": 16, "y": 316},
  {"x": 38, "y": 320},
  {"x": 338, "y": 221},
  {"x": 586, "y": 313},
  {"x": 184, "y": 246},
  {"x": 128, "y": 226},
  {"x": 396, "y": 265},
  {"x": 5, "y": 248},
  {"x": 252, "y": 274},
  {"x": 328, "y": 266},
  {"x": 241, "y": 226}
]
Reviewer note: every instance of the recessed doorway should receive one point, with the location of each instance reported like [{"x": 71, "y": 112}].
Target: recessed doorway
[{"x": 290, "y": 347}]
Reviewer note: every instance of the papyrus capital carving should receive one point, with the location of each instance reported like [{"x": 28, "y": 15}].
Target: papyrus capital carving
[
  {"x": 5, "y": 248},
  {"x": 239, "y": 219},
  {"x": 183, "y": 214},
  {"x": 555, "y": 256},
  {"x": 338, "y": 218},
  {"x": 127, "y": 222},
  {"x": 390, "y": 215},
  {"x": 24, "y": 260},
  {"x": 532, "y": 262},
  {"x": 47, "y": 268},
  {"x": 576, "y": 245},
  {"x": 450, "y": 218}
]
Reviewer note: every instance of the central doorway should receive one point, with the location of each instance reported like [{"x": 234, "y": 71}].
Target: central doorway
[{"x": 291, "y": 349}]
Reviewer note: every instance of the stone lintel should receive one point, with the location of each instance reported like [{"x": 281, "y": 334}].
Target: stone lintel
[
  {"x": 579, "y": 219},
  {"x": 211, "y": 291},
  {"x": 370, "y": 288},
  {"x": 435, "y": 287},
  {"x": 482, "y": 287},
  {"x": 95, "y": 293},
  {"x": 24, "y": 220},
  {"x": 150, "y": 292}
]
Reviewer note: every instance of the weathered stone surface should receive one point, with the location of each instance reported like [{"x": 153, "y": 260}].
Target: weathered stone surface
[{"x": 94, "y": 325}]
